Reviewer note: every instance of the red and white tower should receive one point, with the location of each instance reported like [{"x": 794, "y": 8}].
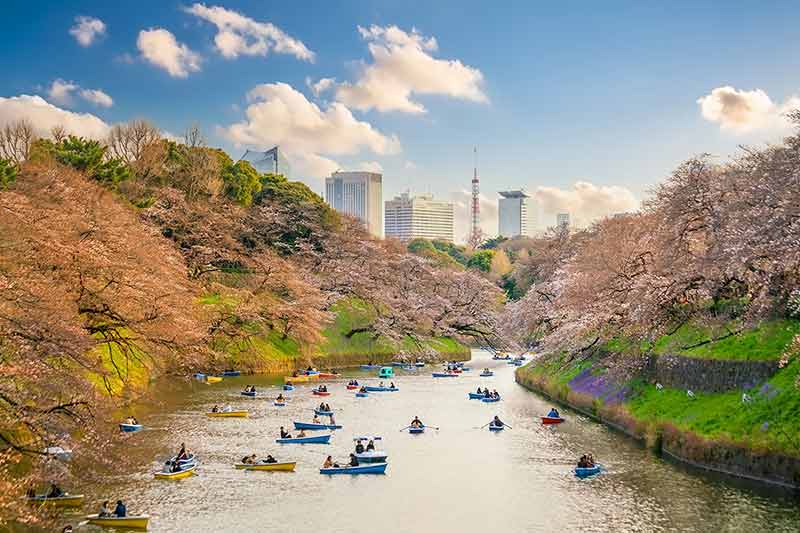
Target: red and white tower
[{"x": 475, "y": 234}]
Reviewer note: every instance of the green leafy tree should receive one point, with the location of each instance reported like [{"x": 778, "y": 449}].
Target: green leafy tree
[
  {"x": 511, "y": 288},
  {"x": 112, "y": 172},
  {"x": 242, "y": 182},
  {"x": 420, "y": 247},
  {"x": 8, "y": 173},
  {"x": 481, "y": 260},
  {"x": 493, "y": 243},
  {"x": 81, "y": 154}
]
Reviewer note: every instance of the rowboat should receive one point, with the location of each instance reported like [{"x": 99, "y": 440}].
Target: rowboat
[
  {"x": 419, "y": 364},
  {"x": 319, "y": 439},
  {"x": 374, "y": 468},
  {"x": 547, "y": 420},
  {"x": 199, "y": 376},
  {"x": 588, "y": 472},
  {"x": 311, "y": 373},
  {"x": 381, "y": 389},
  {"x": 228, "y": 414},
  {"x": 130, "y": 522},
  {"x": 320, "y": 412},
  {"x": 352, "y": 387},
  {"x": 180, "y": 474},
  {"x": 476, "y": 396},
  {"x": 191, "y": 459},
  {"x": 372, "y": 456},
  {"x": 386, "y": 372},
  {"x": 130, "y": 428},
  {"x": 288, "y": 387},
  {"x": 487, "y": 374},
  {"x": 67, "y": 500},
  {"x": 320, "y": 393},
  {"x": 491, "y": 399},
  {"x": 370, "y": 367},
  {"x": 416, "y": 431},
  {"x": 213, "y": 379},
  {"x": 59, "y": 453},
  {"x": 232, "y": 373},
  {"x": 272, "y": 467},
  {"x": 444, "y": 375},
  {"x": 492, "y": 427},
  {"x": 362, "y": 394},
  {"x": 503, "y": 358},
  {"x": 251, "y": 394},
  {"x": 398, "y": 363},
  {"x": 314, "y": 426},
  {"x": 279, "y": 404},
  {"x": 518, "y": 363}
]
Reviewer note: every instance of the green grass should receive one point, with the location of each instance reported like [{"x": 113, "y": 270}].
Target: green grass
[
  {"x": 123, "y": 369},
  {"x": 764, "y": 342}
]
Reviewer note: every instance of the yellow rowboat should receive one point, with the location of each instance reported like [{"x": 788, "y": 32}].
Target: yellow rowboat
[
  {"x": 228, "y": 414},
  {"x": 213, "y": 379},
  {"x": 67, "y": 500},
  {"x": 182, "y": 474},
  {"x": 131, "y": 522},
  {"x": 274, "y": 467}
]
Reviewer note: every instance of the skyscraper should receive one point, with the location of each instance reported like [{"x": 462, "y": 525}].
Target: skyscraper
[
  {"x": 562, "y": 220},
  {"x": 273, "y": 161},
  {"x": 359, "y": 194},
  {"x": 516, "y": 214},
  {"x": 410, "y": 217}
]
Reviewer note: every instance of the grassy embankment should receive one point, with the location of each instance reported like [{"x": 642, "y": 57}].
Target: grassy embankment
[{"x": 768, "y": 423}]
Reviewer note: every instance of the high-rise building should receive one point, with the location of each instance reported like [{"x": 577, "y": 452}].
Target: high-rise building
[
  {"x": 411, "y": 217},
  {"x": 516, "y": 214},
  {"x": 359, "y": 194},
  {"x": 562, "y": 220},
  {"x": 273, "y": 161}
]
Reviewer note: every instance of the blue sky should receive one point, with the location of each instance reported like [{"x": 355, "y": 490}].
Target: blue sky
[{"x": 605, "y": 94}]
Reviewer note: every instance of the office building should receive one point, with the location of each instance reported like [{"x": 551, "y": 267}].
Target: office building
[
  {"x": 358, "y": 194},
  {"x": 516, "y": 214},
  {"x": 272, "y": 161},
  {"x": 562, "y": 220},
  {"x": 411, "y": 217}
]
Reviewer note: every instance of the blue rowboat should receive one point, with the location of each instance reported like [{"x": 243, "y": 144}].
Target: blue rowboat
[
  {"x": 130, "y": 428},
  {"x": 419, "y": 364},
  {"x": 465, "y": 368},
  {"x": 232, "y": 373},
  {"x": 490, "y": 400},
  {"x": 444, "y": 375},
  {"x": 373, "y": 468},
  {"x": 518, "y": 363},
  {"x": 319, "y": 412},
  {"x": 416, "y": 431},
  {"x": 506, "y": 358},
  {"x": 312, "y": 425},
  {"x": 372, "y": 457},
  {"x": 475, "y": 396},
  {"x": 386, "y": 372},
  {"x": 279, "y": 404},
  {"x": 288, "y": 387},
  {"x": 588, "y": 472},
  {"x": 487, "y": 374},
  {"x": 370, "y": 367},
  {"x": 381, "y": 389},
  {"x": 362, "y": 394},
  {"x": 320, "y": 439},
  {"x": 252, "y": 394},
  {"x": 492, "y": 427},
  {"x": 199, "y": 376}
]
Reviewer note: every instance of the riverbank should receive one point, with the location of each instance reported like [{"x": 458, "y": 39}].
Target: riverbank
[{"x": 734, "y": 416}]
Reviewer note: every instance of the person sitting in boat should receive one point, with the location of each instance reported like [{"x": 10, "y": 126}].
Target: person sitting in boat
[
  {"x": 329, "y": 463},
  {"x": 363, "y": 390},
  {"x": 416, "y": 423},
  {"x": 495, "y": 394},
  {"x": 270, "y": 459},
  {"x": 120, "y": 511},
  {"x": 371, "y": 446},
  {"x": 479, "y": 391},
  {"x": 215, "y": 409},
  {"x": 553, "y": 413},
  {"x": 105, "y": 510},
  {"x": 285, "y": 434},
  {"x": 332, "y": 419},
  {"x": 182, "y": 454},
  {"x": 174, "y": 467},
  {"x": 289, "y": 383},
  {"x": 496, "y": 422},
  {"x": 353, "y": 460},
  {"x": 590, "y": 460},
  {"x": 391, "y": 385},
  {"x": 359, "y": 447},
  {"x": 355, "y": 382},
  {"x": 280, "y": 397},
  {"x": 301, "y": 434},
  {"x": 295, "y": 374},
  {"x": 315, "y": 420},
  {"x": 328, "y": 408},
  {"x": 248, "y": 459},
  {"x": 309, "y": 369}
]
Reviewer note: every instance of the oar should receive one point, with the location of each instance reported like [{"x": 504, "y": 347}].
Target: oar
[
  {"x": 405, "y": 428},
  {"x": 506, "y": 425},
  {"x": 483, "y": 426}
]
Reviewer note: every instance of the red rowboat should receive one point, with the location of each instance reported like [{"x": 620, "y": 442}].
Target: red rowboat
[
  {"x": 320, "y": 393},
  {"x": 328, "y": 375},
  {"x": 546, "y": 420},
  {"x": 352, "y": 387}
]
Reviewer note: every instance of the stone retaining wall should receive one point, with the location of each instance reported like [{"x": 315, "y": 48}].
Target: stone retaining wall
[{"x": 709, "y": 375}]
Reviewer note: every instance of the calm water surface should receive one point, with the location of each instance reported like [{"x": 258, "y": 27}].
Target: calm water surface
[{"x": 456, "y": 479}]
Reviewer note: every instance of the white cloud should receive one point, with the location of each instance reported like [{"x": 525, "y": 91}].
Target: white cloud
[
  {"x": 87, "y": 29},
  {"x": 585, "y": 203},
  {"x": 240, "y": 35},
  {"x": 160, "y": 48},
  {"x": 370, "y": 166},
  {"x": 402, "y": 65},
  {"x": 61, "y": 91},
  {"x": 320, "y": 86},
  {"x": 742, "y": 111},
  {"x": 97, "y": 97},
  {"x": 278, "y": 114},
  {"x": 409, "y": 165},
  {"x": 44, "y": 116}
]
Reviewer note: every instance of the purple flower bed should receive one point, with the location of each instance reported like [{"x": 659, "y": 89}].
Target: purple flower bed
[
  {"x": 768, "y": 391},
  {"x": 598, "y": 387}
]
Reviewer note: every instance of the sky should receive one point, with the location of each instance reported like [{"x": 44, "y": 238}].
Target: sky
[{"x": 586, "y": 105}]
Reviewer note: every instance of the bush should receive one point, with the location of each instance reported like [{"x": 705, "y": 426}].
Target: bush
[
  {"x": 8, "y": 173},
  {"x": 481, "y": 260}
]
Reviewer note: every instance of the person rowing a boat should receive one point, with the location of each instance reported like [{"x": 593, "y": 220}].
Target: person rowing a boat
[
  {"x": 495, "y": 394},
  {"x": 353, "y": 460},
  {"x": 328, "y": 408},
  {"x": 279, "y": 398},
  {"x": 553, "y": 413},
  {"x": 362, "y": 390},
  {"x": 285, "y": 434},
  {"x": 416, "y": 423},
  {"x": 120, "y": 511},
  {"x": 391, "y": 385},
  {"x": 270, "y": 460},
  {"x": 215, "y": 409},
  {"x": 359, "y": 447},
  {"x": 329, "y": 463},
  {"x": 249, "y": 459},
  {"x": 55, "y": 491},
  {"x": 496, "y": 422},
  {"x": 182, "y": 454}
]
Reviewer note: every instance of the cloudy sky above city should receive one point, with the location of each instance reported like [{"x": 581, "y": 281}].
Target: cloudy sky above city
[{"x": 587, "y": 107}]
